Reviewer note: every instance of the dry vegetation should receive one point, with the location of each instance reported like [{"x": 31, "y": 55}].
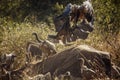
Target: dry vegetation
[
  {"x": 15, "y": 35},
  {"x": 15, "y": 40}
]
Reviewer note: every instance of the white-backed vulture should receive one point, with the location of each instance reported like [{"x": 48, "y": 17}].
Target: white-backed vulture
[
  {"x": 68, "y": 60},
  {"x": 33, "y": 50},
  {"x": 46, "y": 46},
  {"x": 7, "y": 60},
  {"x": 47, "y": 76}
]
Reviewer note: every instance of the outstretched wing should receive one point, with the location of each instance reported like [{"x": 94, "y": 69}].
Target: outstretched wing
[{"x": 58, "y": 23}]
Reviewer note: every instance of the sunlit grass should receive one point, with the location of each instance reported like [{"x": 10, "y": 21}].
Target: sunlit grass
[
  {"x": 16, "y": 35},
  {"x": 15, "y": 39}
]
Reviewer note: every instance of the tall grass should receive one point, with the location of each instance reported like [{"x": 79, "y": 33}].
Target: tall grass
[{"x": 15, "y": 36}]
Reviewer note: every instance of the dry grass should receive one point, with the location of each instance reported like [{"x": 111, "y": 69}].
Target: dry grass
[{"x": 15, "y": 37}]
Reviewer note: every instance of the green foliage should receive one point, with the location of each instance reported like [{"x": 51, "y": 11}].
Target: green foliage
[
  {"x": 57, "y": 8},
  {"x": 107, "y": 17},
  {"x": 10, "y": 8}
]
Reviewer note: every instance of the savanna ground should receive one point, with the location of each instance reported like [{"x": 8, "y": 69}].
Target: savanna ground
[{"x": 19, "y": 19}]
